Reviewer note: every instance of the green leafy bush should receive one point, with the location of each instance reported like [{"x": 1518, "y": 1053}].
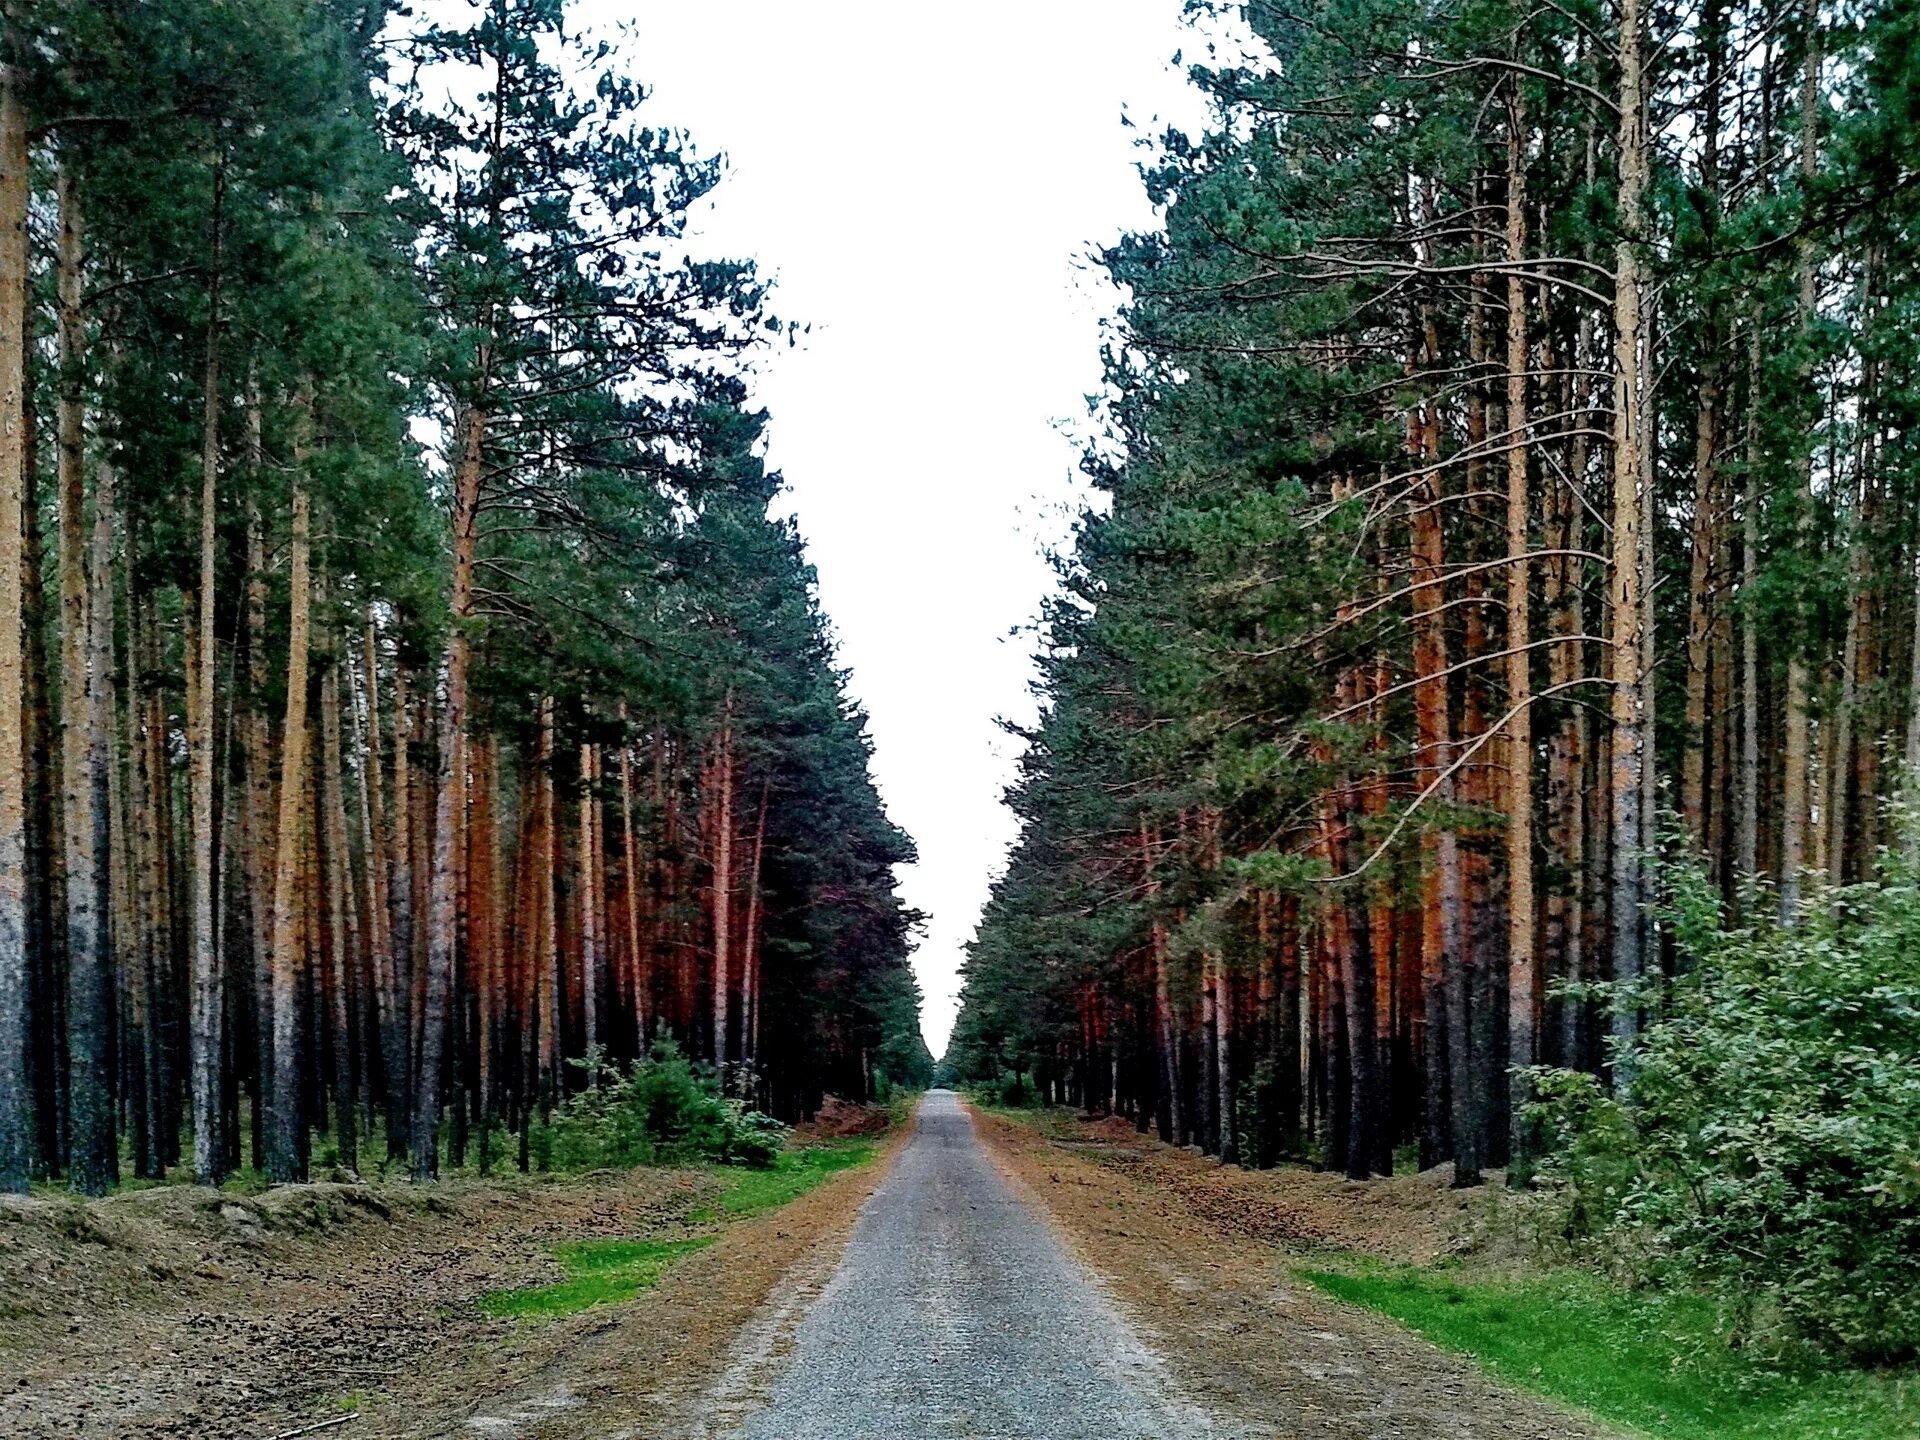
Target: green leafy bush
[
  {"x": 1008, "y": 1090},
  {"x": 662, "y": 1111},
  {"x": 1766, "y": 1143}
]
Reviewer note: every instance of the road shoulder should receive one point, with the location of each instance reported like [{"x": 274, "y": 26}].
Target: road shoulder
[
  {"x": 1244, "y": 1338},
  {"x": 677, "y": 1362}
]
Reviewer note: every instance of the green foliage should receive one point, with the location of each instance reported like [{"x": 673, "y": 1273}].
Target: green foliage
[
  {"x": 1009, "y": 1090},
  {"x": 660, "y": 1111},
  {"x": 1767, "y": 1145},
  {"x": 1653, "y": 1361}
]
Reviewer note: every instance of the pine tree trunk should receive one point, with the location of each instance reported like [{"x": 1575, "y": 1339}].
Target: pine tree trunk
[
  {"x": 1837, "y": 811},
  {"x": 400, "y": 888},
  {"x": 1630, "y": 608},
  {"x": 546, "y": 952},
  {"x": 750, "y": 939},
  {"x": 47, "y": 964},
  {"x": 1796, "y": 798},
  {"x": 94, "y": 1152},
  {"x": 343, "y": 931},
  {"x": 207, "y": 1040},
  {"x": 1703, "y": 600},
  {"x": 639, "y": 972},
  {"x": 1168, "y": 1109},
  {"x": 389, "y": 995},
  {"x": 1747, "y": 803},
  {"x": 262, "y": 834},
  {"x": 483, "y": 930},
  {"x": 286, "y": 1119},
  {"x": 590, "y": 929},
  {"x": 1354, "y": 950},
  {"x": 16, "y": 1095},
  {"x": 1444, "y": 945},
  {"x": 723, "y": 893},
  {"x": 1522, "y": 987},
  {"x": 449, "y": 828}
]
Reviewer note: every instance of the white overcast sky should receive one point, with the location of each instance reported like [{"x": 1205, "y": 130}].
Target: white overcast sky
[{"x": 925, "y": 182}]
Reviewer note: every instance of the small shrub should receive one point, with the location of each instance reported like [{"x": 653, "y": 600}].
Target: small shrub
[
  {"x": 662, "y": 1111},
  {"x": 1008, "y": 1090},
  {"x": 753, "y": 1139}
]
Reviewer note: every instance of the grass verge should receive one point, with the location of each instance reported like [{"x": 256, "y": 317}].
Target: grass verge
[
  {"x": 749, "y": 1192},
  {"x": 599, "y": 1272},
  {"x": 1655, "y": 1363},
  {"x": 604, "y": 1272}
]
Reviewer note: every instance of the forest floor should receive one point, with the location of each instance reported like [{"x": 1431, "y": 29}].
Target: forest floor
[{"x": 364, "y": 1310}]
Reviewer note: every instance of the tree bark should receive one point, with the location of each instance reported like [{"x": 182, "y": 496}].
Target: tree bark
[
  {"x": 286, "y": 1121},
  {"x": 590, "y": 927},
  {"x": 16, "y": 1096},
  {"x": 1629, "y": 605},
  {"x": 1796, "y": 799},
  {"x": 1522, "y": 988},
  {"x": 389, "y": 995},
  {"x": 262, "y": 834},
  {"x": 94, "y": 1152},
  {"x": 750, "y": 939},
  {"x": 448, "y": 817},
  {"x": 640, "y": 974},
  {"x": 343, "y": 938},
  {"x": 723, "y": 892},
  {"x": 546, "y": 954},
  {"x": 207, "y": 1040}
]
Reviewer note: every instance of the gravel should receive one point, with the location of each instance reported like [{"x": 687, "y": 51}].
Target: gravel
[{"x": 956, "y": 1312}]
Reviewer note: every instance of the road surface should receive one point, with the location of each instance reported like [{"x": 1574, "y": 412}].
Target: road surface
[{"x": 955, "y": 1312}]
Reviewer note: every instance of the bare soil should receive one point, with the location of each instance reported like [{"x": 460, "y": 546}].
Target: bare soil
[
  {"x": 1199, "y": 1257},
  {"x": 1410, "y": 1219},
  {"x": 178, "y": 1311},
  {"x": 667, "y": 1365}
]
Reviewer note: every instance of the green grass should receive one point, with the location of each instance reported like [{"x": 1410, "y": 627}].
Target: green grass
[
  {"x": 749, "y": 1192},
  {"x": 1654, "y": 1363},
  {"x": 605, "y": 1272},
  {"x": 599, "y": 1272}
]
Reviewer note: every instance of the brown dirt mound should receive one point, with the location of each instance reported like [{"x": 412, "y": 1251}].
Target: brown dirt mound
[
  {"x": 1413, "y": 1219},
  {"x": 841, "y": 1119},
  {"x": 188, "y": 1312}
]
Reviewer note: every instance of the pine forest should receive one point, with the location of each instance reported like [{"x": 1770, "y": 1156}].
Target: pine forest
[
  {"x": 1103, "y": 719},
  {"x": 404, "y": 692},
  {"x": 1496, "y": 614}
]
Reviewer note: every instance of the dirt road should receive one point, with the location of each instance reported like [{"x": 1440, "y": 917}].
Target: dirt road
[
  {"x": 955, "y": 1311},
  {"x": 1003, "y": 1283}
]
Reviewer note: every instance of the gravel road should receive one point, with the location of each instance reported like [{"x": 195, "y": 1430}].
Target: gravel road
[{"x": 955, "y": 1312}]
